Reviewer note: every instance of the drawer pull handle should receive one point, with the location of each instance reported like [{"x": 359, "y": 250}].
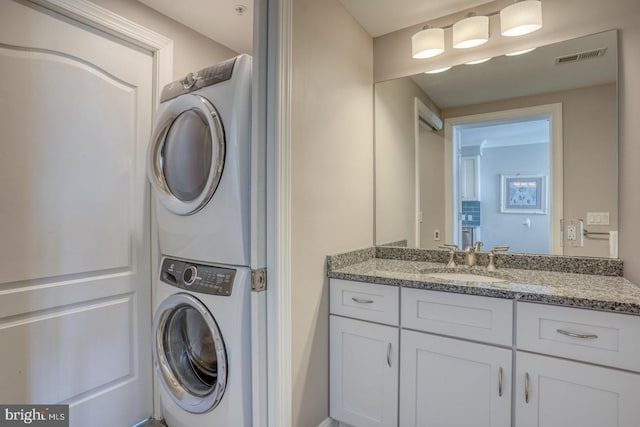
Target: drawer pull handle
[
  {"x": 362, "y": 301},
  {"x": 500, "y": 382},
  {"x": 526, "y": 387},
  {"x": 573, "y": 334},
  {"x": 389, "y": 354}
]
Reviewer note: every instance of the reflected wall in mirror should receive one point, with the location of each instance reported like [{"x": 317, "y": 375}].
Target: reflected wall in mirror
[{"x": 550, "y": 114}]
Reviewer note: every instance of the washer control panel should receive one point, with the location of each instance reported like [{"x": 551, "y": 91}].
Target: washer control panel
[
  {"x": 197, "y": 80},
  {"x": 204, "y": 279}
]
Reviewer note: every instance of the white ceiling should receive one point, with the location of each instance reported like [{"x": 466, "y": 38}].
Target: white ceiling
[
  {"x": 215, "y": 19},
  {"x": 506, "y": 133},
  {"x": 218, "y": 20},
  {"x": 380, "y": 17}
]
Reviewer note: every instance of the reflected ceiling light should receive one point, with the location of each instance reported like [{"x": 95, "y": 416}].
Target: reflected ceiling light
[
  {"x": 522, "y": 17},
  {"x": 520, "y": 52},
  {"x": 471, "y": 31},
  {"x": 439, "y": 70},
  {"x": 427, "y": 43},
  {"x": 479, "y": 61}
]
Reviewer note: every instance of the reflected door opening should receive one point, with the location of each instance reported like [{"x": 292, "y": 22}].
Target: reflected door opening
[{"x": 502, "y": 182}]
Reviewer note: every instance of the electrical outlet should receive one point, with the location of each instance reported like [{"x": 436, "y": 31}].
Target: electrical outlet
[
  {"x": 436, "y": 234},
  {"x": 573, "y": 233}
]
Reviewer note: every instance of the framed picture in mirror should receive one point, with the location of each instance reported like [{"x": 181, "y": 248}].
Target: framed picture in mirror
[{"x": 525, "y": 194}]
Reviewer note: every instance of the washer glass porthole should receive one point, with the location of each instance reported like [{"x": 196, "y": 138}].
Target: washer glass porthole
[
  {"x": 190, "y": 350},
  {"x": 189, "y": 354}
]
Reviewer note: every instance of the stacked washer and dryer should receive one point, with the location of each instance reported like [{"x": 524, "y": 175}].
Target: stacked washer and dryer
[{"x": 199, "y": 165}]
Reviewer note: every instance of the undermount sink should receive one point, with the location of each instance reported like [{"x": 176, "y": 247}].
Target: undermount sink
[{"x": 465, "y": 277}]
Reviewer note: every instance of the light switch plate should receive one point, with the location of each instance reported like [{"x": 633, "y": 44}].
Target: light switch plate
[{"x": 597, "y": 218}]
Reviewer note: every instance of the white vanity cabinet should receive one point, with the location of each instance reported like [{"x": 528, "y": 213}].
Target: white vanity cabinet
[
  {"x": 554, "y": 392},
  {"x": 460, "y": 362},
  {"x": 448, "y": 381},
  {"x": 363, "y": 356}
]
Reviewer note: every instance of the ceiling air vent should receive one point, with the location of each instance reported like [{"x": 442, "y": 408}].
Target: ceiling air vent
[{"x": 575, "y": 57}]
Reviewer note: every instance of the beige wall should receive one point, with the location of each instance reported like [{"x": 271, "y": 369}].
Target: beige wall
[
  {"x": 431, "y": 154},
  {"x": 331, "y": 181},
  {"x": 395, "y": 160},
  {"x": 563, "y": 19},
  {"x": 191, "y": 50},
  {"x": 590, "y": 163}
]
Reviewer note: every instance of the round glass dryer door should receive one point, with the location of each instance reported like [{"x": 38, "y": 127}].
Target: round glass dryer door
[
  {"x": 186, "y": 154},
  {"x": 189, "y": 353}
]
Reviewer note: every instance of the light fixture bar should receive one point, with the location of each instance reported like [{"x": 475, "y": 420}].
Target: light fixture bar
[{"x": 521, "y": 17}]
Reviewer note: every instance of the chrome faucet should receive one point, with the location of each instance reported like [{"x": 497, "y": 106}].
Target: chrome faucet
[{"x": 470, "y": 252}]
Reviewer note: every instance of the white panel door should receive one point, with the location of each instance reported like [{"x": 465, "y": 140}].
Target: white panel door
[
  {"x": 552, "y": 392},
  {"x": 363, "y": 361},
  {"x": 75, "y": 115},
  {"x": 447, "y": 382}
]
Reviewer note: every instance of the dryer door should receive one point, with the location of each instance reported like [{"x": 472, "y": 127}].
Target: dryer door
[
  {"x": 186, "y": 154},
  {"x": 189, "y": 353}
]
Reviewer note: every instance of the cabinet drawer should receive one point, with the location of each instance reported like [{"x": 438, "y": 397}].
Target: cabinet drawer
[
  {"x": 465, "y": 316},
  {"x": 609, "y": 339},
  {"x": 366, "y": 301}
]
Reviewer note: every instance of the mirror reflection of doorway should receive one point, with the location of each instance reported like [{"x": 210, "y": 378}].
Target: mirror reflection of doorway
[{"x": 495, "y": 210}]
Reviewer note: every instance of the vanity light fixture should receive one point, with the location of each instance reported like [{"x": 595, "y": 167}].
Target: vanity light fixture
[
  {"x": 439, "y": 70},
  {"x": 427, "y": 43},
  {"x": 522, "y": 17},
  {"x": 472, "y": 31},
  {"x": 520, "y": 52}
]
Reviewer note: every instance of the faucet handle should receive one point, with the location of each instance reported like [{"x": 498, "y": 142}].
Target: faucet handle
[
  {"x": 477, "y": 245},
  {"x": 499, "y": 248},
  {"x": 492, "y": 257},
  {"x": 449, "y": 246},
  {"x": 452, "y": 253}
]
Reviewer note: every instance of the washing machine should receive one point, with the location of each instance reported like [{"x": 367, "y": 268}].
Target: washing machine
[
  {"x": 201, "y": 344},
  {"x": 199, "y": 164}
]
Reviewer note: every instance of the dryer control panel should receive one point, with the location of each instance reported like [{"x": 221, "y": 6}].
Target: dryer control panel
[{"x": 204, "y": 279}]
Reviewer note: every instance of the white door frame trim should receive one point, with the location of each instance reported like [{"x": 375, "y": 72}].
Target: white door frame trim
[
  {"x": 161, "y": 48},
  {"x": 280, "y": 30},
  {"x": 556, "y": 166}
]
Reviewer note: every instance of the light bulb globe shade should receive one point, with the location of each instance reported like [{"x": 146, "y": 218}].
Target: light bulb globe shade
[
  {"x": 427, "y": 43},
  {"x": 471, "y": 32},
  {"x": 479, "y": 61},
  {"x": 439, "y": 70},
  {"x": 521, "y": 18}
]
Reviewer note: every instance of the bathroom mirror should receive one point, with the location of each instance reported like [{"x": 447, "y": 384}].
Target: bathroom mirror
[{"x": 526, "y": 141}]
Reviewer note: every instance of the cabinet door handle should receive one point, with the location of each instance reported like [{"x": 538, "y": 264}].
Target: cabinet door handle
[
  {"x": 575, "y": 335},
  {"x": 389, "y": 354},
  {"x": 362, "y": 301},
  {"x": 500, "y": 382},
  {"x": 526, "y": 387}
]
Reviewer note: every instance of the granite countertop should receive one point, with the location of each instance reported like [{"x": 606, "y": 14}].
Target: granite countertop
[{"x": 592, "y": 291}]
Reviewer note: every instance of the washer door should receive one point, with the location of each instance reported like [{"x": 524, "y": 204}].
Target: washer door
[
  {"x": 186, "y": 154},
  {"x": 189, "y": 353}
]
